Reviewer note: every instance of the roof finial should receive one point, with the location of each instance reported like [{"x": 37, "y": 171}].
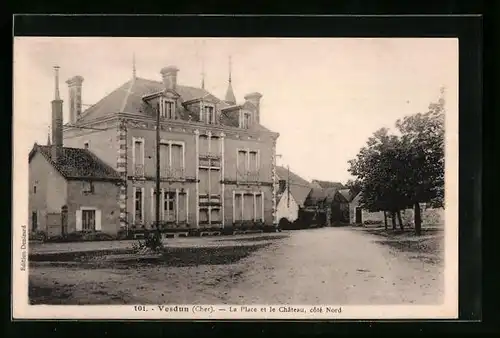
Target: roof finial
[
  {"x": 229, "y": 68},
  {"x": 56, "y": 95},
  {"x": 202, "y": 73},
  {"x": 134, "y": 73},
  {"x": 230, "y": 98}
]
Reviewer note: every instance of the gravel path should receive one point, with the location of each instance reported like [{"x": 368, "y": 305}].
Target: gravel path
[
  {"x": 317, "y": 266},
  {"x": 337, "y": 266}
]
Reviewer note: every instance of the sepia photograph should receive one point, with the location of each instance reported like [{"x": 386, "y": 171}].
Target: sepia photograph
[{"x": 234, "y": 178}]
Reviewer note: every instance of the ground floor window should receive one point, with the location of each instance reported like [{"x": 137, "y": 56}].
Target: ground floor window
[
  {"x": 173, "y": 205},
  {"x": 88, "y": 220},
  {"x": 248, "y": 206},
  {"x": 138, "y": 205}
]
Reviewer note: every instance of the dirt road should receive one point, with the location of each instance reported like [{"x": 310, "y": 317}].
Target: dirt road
[{"x": 319, "y": 266}]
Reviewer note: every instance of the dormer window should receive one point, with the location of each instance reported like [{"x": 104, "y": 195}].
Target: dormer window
[
  {"x": 245, "y": 119},
  {"x": 209, "y": 114},
  {"x": 167, "y": 108}
]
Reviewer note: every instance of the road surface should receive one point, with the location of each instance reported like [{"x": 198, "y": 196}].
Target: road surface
[{"x": 317, "y": 266}]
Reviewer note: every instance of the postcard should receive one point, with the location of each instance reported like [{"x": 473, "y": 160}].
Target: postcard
[{"x": 235, "y": 178}]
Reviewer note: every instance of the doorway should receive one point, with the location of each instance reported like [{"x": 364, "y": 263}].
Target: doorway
[
  {"x": 359, "y": 219},
  {"x": 34, "y": 221}
]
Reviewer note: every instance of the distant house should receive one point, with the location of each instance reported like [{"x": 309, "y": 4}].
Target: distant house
[
  {"x": 315, "y": 206},
  {"x": 335, "y": 204},
  {"x": 292, "y": 192},
  {"x": 358, "y": 215},
  {"x": 71, "y": 190}
]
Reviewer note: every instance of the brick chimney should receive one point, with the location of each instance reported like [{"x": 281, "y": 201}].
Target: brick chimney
[
  {"x": 254, "y": 98},
  {"x": 75, "y": 98},
  {"x": 169, "y": 76},
  {"x": 57, "y": 121}
]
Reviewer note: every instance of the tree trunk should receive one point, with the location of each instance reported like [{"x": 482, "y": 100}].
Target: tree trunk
[
  {"x": 418, "y": 220},
  {"x": 385, "y": 219},
  {"x": 393, "y": 217},
  {"x": 401, "y": 226}
]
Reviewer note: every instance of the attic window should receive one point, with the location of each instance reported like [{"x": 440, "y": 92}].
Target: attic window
[
  {"x": 167, "y": 108},
  {"x": 245, "y": 120},
  {"x": 88, "y": 187},
  {"x": 209, "y": 114}
]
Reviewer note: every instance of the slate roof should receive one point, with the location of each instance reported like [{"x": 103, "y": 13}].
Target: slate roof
[
  {"x": 328, "y": 184},
  {"x": 299, "y": 187},
  {"x": 128, "y": 98},
  {"x": 230, "y": 98},
  {"x": 79, "y": 164},
  {"x": 346, "y": 194}
]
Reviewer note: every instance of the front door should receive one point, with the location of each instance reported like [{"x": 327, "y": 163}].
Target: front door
[
  {"x": 34, "y": 221},
  {"x": 88, "y": 220},
  {"x": 358, "y": 215}
]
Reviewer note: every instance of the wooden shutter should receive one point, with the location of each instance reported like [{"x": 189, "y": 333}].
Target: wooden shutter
[
  {"x": 164, "y": 157},
  {"x": 248, "y": 207},
  {"x": 203, "y": 176},
  {"x": 253, "y": 161},
  {"x": 215, "y": 215},
  {"x": 258, "y": 207},
  {"x": 176, "y": 156},
  {"x": 98, "y": 226},
  {"x": 214, "y": 145},
  {"x": 237, "y": 207},
  {"x": 203, "y": 144},
  {"x": 182, "y": 207},
  {"x": 78, "y": 220},
  {"x": 215, "y": 182}
]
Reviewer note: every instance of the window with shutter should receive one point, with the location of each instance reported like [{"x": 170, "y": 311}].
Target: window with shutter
[{"x": 237, "y": 207}]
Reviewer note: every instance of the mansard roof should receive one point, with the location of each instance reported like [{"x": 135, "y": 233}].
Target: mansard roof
[{"x": 128, "y": 98}]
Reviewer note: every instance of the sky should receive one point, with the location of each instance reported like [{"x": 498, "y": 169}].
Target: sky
[{"x": 324, "y": 97}]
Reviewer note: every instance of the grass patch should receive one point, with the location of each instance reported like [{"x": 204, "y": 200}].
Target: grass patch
[
  {"x": 398, "y": 233},
  {"x": 170, "y": 257},
  {"x": 252, "y": 239},
  {"x": 429, "y": 245}
]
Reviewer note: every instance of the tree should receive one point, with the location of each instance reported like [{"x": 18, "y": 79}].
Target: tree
[
  {"x": 353, "y": 186},
  {"x": 397, "y": 172},
  {"x": 422, "y": 149},
  {"x": 377, "y": 169}
]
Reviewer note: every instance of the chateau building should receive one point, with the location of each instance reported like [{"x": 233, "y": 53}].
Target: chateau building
[{"x": 217, "y": 162}]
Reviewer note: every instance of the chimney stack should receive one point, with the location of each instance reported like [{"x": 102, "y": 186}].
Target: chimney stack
[
  {"x": 169, "y": 76},
  {"x": 75, "y": 98},
  {"x": 254, "y": 98},
  {"x": 57, "y": 120}
]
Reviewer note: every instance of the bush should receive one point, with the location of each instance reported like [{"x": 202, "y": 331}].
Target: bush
[
  {"x": 285, "y": 224},
  {"x": 81, "y": 236},
  {"x": 96, "y": 236},
  {"x": 372, "y": 222},
  {"x": 122, "y": 234},
  {"x": 37, "y": 235},
  {"x": 74, "y": 237},
  {"x": 152, "y": 243}
]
